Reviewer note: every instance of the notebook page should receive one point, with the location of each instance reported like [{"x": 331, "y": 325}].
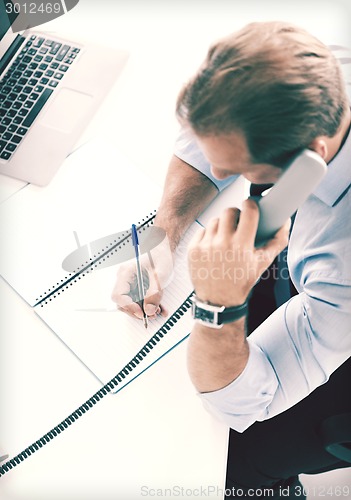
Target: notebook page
[
  {"x": 105, "y": 339},
  {"x": 96, "y": 192}
]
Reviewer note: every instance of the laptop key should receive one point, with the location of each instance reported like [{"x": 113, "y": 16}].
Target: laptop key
[
  {"x": 2, "y": 145},
  {"x": 11, "y": 146},
  {"x": 62, "y": 54},
  {"x": 37, "y": 107},
  {"x": 5, "y": 155},
  {"x": 17, "y": 139},
  {"x": 38, "y": 42},
  {"x": 22, "y": 130},
  {"x": 55, "y": 48},
  {"x": 7, "y": 136},
  {"x": 12, "y": 128}
]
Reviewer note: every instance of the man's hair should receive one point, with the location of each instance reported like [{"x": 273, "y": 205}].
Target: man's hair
[{"x": 272, "y": 81}]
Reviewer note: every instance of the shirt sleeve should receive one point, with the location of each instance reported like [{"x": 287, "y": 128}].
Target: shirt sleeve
[
  {"x": 292, "y": 353},
  {"x": 187, "y": 149}
]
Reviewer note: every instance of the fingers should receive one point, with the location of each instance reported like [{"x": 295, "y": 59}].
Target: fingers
[
  {"x": 126, "y": 295},
  {"x": 275, "y": 245},
  {"x": 228, "y": 222},
  {"x": 247, "y": 226},
  {"x": 152, "y": 305}
]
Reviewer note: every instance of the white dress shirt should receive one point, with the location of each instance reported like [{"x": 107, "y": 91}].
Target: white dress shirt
[{"x": 300, "y": 345}]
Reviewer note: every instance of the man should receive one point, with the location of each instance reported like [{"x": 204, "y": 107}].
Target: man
[{"x": 262, "y": 96}]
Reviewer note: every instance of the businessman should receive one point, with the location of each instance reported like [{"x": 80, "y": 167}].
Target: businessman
[{"x": 263, "y": 95}]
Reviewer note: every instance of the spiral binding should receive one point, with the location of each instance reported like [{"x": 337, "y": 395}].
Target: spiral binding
[
  {"x": 88, "y": 266},
  {"x": 101, "y": 393}
]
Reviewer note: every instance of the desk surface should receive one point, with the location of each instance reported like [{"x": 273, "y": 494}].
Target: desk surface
[{"x": 154, "y": 436}]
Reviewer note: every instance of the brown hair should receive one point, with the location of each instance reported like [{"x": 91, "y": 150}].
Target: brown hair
[{"x": 275, "y": 82}]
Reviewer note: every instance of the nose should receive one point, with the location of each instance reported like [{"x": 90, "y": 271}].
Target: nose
[{"x": 219, "y": 174}]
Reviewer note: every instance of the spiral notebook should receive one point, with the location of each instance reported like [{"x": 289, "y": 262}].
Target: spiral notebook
[{"x": 83, "y": 206}]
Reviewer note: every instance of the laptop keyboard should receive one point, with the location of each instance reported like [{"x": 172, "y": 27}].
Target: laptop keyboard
[{"x": 27, "y": 85}]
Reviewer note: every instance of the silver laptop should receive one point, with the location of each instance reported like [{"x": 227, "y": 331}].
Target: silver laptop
[{"x": 50, "y": 87}]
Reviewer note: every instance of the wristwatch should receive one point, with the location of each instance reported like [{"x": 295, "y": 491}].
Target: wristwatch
[{"x": 216, "y": 316}]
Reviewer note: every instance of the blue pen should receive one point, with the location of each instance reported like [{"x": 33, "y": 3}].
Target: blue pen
[{"x": 139, "y": 275}]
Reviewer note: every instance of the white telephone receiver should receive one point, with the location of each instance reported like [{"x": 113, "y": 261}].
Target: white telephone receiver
[{"x": 288, "y": 193}]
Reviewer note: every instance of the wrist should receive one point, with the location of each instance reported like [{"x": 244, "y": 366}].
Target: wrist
[{"x": 216, "y": 316}]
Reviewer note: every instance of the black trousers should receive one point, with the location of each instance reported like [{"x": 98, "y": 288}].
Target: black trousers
[{"x": 266, "y": 459}]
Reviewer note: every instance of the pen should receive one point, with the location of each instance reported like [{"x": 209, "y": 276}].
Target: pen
[{"x": 139, "y": 276}]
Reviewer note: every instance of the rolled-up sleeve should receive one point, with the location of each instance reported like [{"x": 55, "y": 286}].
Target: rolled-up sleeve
[
  {"x": 187, "y": 149},
  {"x": 292, "y": 353}
]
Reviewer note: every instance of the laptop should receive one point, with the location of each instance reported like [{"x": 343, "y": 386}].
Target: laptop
[{"x": 50, "y": 88}]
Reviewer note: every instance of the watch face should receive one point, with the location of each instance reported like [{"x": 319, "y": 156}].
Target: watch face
[{"x": 204, "y": 315}]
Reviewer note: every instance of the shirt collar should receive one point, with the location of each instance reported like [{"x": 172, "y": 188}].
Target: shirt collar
[{"x": 338, "y": 177}]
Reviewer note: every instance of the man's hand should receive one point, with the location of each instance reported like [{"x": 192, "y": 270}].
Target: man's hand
[
  {"x": 224, "y": 266},
  {"x": 224, "y": 263},
  {"x": 157, "y": 270}
]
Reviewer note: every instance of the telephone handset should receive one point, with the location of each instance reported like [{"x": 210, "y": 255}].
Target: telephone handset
[{"x": 289, "y": 193}]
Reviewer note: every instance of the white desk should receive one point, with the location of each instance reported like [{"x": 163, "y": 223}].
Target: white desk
[{"x": 154, "y": 434}]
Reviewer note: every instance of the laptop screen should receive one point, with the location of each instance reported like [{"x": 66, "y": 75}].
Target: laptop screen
[{"x": 7, "y": 16}]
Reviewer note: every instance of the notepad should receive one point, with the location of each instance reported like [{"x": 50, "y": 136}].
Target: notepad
[
  {"x": 96, "y": 196},
  {"x": 105, "y": 339}
]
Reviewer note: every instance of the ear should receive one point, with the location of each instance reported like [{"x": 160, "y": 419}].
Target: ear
[{"x": 319, "y": 145}]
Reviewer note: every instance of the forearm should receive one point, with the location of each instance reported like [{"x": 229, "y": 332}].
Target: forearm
[
  {"x": 187, "y": 192},
  {"x": 217, "y": 357}
]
